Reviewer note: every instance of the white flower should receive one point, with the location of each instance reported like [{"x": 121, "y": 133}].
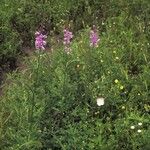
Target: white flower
[
  {"x": 123, "y": 107},
  {"x": 139, "y": 131},
  {"x": 78, "y": 66},
  {"x": 68, "y": 52},
  {"x": 132, "y": 127},
  {"x": 116, "y": 81},
  {"x": 103, "y": 23},
  {"x": 121, "y": 87},
  {"x": 140, "y": 123},
  {"x": 100, "y": 101}
]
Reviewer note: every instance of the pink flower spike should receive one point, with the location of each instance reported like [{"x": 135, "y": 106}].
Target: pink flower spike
[
  {"x": 40, "y": 40},
  {"x": 94, "y": 38},
  {"x": 67, "y": 40}
]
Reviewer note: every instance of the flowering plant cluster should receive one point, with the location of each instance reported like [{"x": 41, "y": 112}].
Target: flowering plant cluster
[
  {"x": 40, "y": 40},
  {"x": 94, "y": 38},
  {"x": 85, "y": 93},
  {"x": 67, "y": 39}
]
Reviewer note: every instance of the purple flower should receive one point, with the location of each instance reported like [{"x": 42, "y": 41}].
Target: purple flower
[
  {"x": 40, "y": 42},
  {"x": 94, "y": 38},
  {"x": 67, "y": 39}
]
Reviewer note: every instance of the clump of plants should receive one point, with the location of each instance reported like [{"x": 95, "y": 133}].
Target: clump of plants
[
  {"x": 90, "y": 93},
  {"x": 94, "y": 97}
]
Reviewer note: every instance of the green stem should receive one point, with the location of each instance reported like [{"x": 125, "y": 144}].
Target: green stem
[{"x": 34, "y": 90}]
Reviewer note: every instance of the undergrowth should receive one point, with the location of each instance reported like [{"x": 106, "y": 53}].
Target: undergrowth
[{"x": 52, "y": 105}]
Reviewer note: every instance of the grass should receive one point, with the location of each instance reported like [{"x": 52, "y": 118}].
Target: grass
[{"x": 52, "y": 104}]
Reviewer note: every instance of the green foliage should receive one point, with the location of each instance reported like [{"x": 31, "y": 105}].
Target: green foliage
[
  {"x": 20, "y": 18},
  {"x": 52, "y": 104}
]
